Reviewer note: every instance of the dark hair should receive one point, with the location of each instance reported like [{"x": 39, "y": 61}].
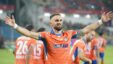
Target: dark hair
[
  {"x": 41, "y": 29},
  {"x": 100, "y": 33},
  {"x": 29, "y": 27},
  {"x": 54, "y": 15}
]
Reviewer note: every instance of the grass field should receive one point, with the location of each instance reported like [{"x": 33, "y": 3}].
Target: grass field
[{"x": 6, "y": 56}]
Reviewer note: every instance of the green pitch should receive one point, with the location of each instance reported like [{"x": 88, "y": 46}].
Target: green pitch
[
  {"x": 109, "y": 55},
  {"x": 7, "y": 57}
]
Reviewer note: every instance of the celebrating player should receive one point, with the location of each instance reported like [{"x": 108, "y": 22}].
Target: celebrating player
[
  {"x": 78, "y": 50},
  {"x": 35, "y": 53},
  {"x": 58, "y": 41},
  {"x": 22, "y": 45},
  {"x": 91, "y": 51}
]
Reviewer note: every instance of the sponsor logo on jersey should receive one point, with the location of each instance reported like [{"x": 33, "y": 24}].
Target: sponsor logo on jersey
[{"x": 60, "y": 45}]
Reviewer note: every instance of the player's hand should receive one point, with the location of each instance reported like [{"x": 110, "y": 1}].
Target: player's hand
[
  {"x": 10, "y": 21},
  {"x": 106, "y": 17},
  {"x": 90, "y": 61}
]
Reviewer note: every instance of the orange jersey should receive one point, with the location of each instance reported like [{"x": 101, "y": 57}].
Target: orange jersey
[
  {"x": 80, "y": 45},
  {"x": 21, "y": 49},
  {"x": 37, "y": 53},
  {"x": 101, "y": 44},
  {"x": 58, "y": 47},
  {"x": 91, "y": 49}
]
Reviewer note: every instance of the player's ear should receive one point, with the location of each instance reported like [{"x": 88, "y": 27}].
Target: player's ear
[{"x": 50, "y": 22}]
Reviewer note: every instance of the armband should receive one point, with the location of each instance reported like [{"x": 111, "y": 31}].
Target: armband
[
  {"x": 15, "y": 26},
  {"x": 100, "y": 22}
]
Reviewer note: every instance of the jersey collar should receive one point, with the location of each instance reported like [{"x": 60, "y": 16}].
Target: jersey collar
[{"x": 53, "y": 32}]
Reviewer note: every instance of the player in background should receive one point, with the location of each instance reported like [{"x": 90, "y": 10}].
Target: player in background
[
  {"x": 22, "y": 47},
  {"x": 91, "y": 51},
  {"x": 35, "y": 53},
  {"x": 101, "y": 46},
  {"x": 78, "y": 50},
  {"x": 58, "y": 41}
]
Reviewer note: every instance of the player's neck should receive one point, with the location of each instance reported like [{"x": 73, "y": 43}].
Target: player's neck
[
  {"x": 84, "y": 39},
  {"x": 57, "y": 32}
]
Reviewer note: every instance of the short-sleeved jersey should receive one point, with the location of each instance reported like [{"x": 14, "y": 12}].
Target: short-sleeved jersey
[
  {"x": 58, "y": 47},
  {"x": 101, "y": 44},
  {"x": 37, "y": 53},
  {"x": 21, "y": 49},
  {"x": 91, "y": 49},
  {"x": 79, "y": 45}
]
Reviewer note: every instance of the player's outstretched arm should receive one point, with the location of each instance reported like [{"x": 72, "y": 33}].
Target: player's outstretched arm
[
  {"x": 11, "y": 22},
  {"x": 106, "y": 17}
]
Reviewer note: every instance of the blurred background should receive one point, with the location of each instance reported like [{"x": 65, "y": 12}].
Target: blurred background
[{"x": 76, "y": 13}]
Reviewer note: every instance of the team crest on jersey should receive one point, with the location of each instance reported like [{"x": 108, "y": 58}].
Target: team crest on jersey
[{"x": 65, "y": 39}]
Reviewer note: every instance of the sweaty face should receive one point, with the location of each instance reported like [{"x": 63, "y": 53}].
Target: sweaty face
[{"x": 56, "y": 22}]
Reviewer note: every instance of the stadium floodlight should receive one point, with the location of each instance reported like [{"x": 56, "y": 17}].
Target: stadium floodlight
[
  {"x": 47, "y": 14},
  {"x": 62, "y": 14},
  {"x": 92, "y": 6},
  {"x": 88, "y": 16},
  {"x": 76, "y": 15},
  {"x": 1, "y": 11}
]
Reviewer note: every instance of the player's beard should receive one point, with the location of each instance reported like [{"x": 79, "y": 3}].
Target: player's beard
[
  {"x": 58, "y": 28},
  {"x": 88, "y": 39}
]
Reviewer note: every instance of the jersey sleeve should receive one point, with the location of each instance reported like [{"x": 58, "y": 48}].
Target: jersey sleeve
[
  {"x": 42, "y": 35},
  {"x": 77, "y": 34},
  {"x": 74, "y": 33},
  {"x": 94, "y": 44},
  {"x": 81, "y": 46}
]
